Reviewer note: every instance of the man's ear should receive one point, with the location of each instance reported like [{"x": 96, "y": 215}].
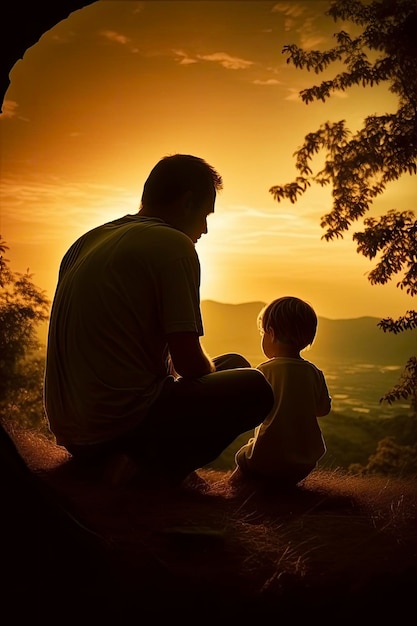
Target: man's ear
[{"x": 186, "y": 200}]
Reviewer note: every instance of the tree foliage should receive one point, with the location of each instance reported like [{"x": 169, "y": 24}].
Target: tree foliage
[
  {"x": 390, "y": 459},
  {"x": 359, "y": 165},
  {"x": 22, "y": 307}
]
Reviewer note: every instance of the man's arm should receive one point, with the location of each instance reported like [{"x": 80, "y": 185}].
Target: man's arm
[{"x": 187, "y": 355}]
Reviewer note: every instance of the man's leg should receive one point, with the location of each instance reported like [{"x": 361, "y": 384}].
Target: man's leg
[{"x": 194, "y": 420}]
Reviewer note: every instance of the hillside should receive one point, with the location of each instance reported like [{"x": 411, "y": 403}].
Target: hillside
[{"x": 337, "y": 548}]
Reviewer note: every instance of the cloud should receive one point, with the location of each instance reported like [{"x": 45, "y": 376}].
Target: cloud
[
  {"x": 224, "y": 59},
  {"x": 268, "y": 81},
  {"x": 340, "y": 94},
  {"x": 300, "y": 19},
  {"x": 311, "y": 41},
  {"x": 62, "y": 39},
  {"x": 112, "y": 35},
  {"x": 119, "y": 38},
  {"x": 140, "y": 6},
  {"x": 31, "y": 203},
  {"x": 293, "y": 95},
  {"x": 9, "y": 109},
  {"x": 183, "y": 58},
  {"x": 289, "y": 9},
  {"x": 310, "y": 38},
  {"x": 265, "y": 233},
  {"x": 227, "y": 61}
]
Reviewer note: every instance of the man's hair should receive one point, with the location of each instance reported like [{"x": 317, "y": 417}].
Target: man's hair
[
  {"x": 292, "y": 320},
  {"x": 176, "y": 174}
]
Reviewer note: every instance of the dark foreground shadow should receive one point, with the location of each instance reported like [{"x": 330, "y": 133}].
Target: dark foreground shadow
[{"x": 85, "y": 547}]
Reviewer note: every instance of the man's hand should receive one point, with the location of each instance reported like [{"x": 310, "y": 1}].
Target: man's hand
[{"x": 188, "y": 357}]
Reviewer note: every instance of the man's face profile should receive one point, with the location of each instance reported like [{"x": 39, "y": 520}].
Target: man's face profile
[{"x": 195, "y": 224}]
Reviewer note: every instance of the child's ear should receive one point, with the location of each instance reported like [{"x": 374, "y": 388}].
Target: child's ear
[{"x": 270, "y": 331}]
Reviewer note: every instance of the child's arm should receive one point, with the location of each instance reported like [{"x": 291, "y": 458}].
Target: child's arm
[{"x": 324, "y": 404}]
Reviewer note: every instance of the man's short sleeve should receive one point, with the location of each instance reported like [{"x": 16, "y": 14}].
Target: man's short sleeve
[{"x": 180, "y": 299}]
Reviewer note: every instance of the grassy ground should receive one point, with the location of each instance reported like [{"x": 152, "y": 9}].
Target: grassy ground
[{"x": 339, "y": 548}]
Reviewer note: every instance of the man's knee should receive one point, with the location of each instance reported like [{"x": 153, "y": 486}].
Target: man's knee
[{"x": 230, "y": 361}]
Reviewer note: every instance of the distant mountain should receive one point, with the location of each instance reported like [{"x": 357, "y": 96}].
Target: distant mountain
[
  {"x": 233, "y": 328},
  {"x": 361, "y": 339}
]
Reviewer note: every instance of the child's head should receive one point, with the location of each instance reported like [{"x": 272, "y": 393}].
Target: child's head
[{"x": 292, "y": 321}]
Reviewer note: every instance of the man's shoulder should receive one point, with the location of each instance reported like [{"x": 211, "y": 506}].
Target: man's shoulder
[
  {"x": 151, "y": 224},
  {"x": 153, "y": 234}
]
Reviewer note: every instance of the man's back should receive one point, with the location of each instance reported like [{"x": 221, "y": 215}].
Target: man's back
[
  {"x": 126, "y": 307},
  {"x": 119, "y": 294}
]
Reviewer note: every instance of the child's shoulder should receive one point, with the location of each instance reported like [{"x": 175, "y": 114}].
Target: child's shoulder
[
  {"x": 279, "y": 362},
  {"x": 286, "y": 362}
]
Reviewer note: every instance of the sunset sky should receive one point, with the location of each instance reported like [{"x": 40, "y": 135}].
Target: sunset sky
[{"x": 118, "y": 85}]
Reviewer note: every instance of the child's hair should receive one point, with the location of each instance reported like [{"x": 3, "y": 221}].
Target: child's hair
[{"x": 292, "y": 320}]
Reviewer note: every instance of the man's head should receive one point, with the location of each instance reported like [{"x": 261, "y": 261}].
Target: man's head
[{"x": 181, "y": 189}]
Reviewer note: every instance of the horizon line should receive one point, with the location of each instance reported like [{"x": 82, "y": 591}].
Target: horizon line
[{"x": 261, "y": 303}]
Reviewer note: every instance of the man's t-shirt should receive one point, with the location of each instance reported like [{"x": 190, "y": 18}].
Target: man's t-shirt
[{"x": 122, "y": 287}]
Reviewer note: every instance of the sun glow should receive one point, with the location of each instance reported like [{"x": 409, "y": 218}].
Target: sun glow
[{"x": 107, "y": 92}]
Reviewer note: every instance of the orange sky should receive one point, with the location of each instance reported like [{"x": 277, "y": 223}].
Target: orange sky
[{"x": 109, "y": 91}]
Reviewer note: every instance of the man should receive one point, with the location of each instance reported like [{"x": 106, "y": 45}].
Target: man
[{"x": 125, "y": 371}]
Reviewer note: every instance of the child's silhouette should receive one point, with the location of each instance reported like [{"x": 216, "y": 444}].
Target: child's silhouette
[{"x": 288, "y": 444}]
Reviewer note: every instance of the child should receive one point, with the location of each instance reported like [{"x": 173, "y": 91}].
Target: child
[{"x": 288, "y": 444}]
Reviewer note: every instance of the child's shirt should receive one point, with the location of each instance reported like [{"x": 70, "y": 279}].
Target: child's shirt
[{"x": 290, "y": 435}]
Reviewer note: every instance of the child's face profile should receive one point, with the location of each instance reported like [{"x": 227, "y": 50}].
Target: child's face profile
[{"x": 268, "y": 343}]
